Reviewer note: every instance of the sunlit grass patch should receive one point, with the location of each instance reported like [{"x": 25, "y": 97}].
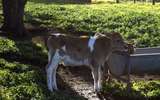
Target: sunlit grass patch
[
  {"x": 141, "y": 90},
  {"x": 138, "y": 22},
  {"x": 150, "y": 89}
]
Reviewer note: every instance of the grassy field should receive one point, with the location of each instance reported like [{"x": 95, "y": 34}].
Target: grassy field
[
  {"x": 139, "y": 22},
  {"x": 22, "y": 62}
]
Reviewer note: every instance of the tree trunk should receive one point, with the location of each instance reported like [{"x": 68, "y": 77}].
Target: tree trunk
[
  {"x": 134, "y": 1},
  {"x": 153, "y": 2},
  {"x": 117, "y": 1},
  {"x": 13, "y": 12}
]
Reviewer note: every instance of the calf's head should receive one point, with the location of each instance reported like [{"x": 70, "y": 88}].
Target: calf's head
[{"x": 118, "y": 43}]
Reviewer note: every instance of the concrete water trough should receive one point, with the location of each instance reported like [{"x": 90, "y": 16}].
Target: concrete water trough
[{"x": 143, "y": 61}]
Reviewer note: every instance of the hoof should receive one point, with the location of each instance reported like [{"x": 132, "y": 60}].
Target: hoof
[
  {"x": 97, "y": 90},
  {"x": 50, "y": 89},
  {"x": 55, "y": 89}
]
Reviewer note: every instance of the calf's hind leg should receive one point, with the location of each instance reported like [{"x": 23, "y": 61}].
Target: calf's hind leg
[
  {"x": 100, "y": 77},
  {"x": 51, "y": 71},
  {"x": 97, "y": 76}
]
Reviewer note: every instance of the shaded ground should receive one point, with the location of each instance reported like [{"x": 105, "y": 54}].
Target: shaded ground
[{"x": 80, "y": 80}]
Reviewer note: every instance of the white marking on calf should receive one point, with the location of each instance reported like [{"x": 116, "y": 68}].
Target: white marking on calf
[
  {"x": 57, "y": 34},
  {"x": 64, "y": 48},
  {"x": 49, "y": 55},
  {"x": 53, "y": 64},
  {"x": 68, "y": 61},
  {"x": 91, "y": 43}
]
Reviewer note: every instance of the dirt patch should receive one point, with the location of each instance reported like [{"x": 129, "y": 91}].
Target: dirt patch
[{"x": 79, "y": 79}]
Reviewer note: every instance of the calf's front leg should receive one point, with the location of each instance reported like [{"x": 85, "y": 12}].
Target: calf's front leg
[{"x": 97, "y": 76}]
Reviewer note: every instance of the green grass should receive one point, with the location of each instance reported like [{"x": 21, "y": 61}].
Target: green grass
[
  {"x": 19, "y": 79},
  {"x": 139, "y": 22},
  {"x": 141, "y": 90}
]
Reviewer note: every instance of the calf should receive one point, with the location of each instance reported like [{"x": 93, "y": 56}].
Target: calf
[{"x": 76, "y": 51}]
